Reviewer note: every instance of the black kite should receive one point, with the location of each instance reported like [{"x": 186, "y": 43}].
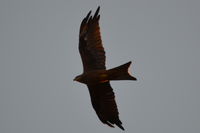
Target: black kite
[{"x": 95, "y": 75}]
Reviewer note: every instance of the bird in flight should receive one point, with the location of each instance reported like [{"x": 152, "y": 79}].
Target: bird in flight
[{"x": 95, "y": 75}]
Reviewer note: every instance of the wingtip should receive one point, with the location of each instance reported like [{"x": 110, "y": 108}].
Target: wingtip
[
  {"x": 98, "y": 7},
  {"x": 121, "y": 127},
  {"x": 97, "y": 12},
  {"x": 88, "y": 15},
  {"x": 129, "y": 62},
  {"x": 117, "y": 124}
]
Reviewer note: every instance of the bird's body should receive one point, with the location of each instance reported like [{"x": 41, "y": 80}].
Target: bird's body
[
  {"x": 102, "y": 75},
  {"x": 95, "y": 75}
]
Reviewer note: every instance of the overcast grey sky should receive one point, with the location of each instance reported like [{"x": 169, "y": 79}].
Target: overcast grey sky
[{"x": 39, "y": 59}]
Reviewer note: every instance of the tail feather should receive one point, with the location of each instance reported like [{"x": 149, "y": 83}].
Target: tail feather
[{"x": 121, "y": 72}]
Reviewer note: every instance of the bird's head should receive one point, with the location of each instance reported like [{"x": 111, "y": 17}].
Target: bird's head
[{"x": 78, "y": 78}]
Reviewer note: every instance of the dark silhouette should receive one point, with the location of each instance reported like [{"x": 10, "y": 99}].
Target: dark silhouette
[{"x": 95, "y": 75}]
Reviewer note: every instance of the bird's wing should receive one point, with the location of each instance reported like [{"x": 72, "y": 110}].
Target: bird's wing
[
  {"x": 103, "y": 102},
  {"x": 90, "y": 44}
]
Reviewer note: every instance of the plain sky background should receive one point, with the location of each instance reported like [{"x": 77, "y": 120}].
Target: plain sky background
[{"x": 39, "y": 59}]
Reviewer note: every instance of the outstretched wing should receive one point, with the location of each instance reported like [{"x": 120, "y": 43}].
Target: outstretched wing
[
  {"x": 103, "y": 102},
  {"x": 90, "y": 44}
]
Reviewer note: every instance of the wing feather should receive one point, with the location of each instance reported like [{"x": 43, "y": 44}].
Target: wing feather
[
  {"x": 90, "y": 43},
  {"x": 103, "y": 102}
]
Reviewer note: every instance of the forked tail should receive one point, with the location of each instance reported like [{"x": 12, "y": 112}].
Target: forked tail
[{"x": 121, "y": 72}]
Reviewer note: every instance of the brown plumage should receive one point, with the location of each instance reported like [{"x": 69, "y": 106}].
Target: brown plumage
[{"x": 95, "y": 75}]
